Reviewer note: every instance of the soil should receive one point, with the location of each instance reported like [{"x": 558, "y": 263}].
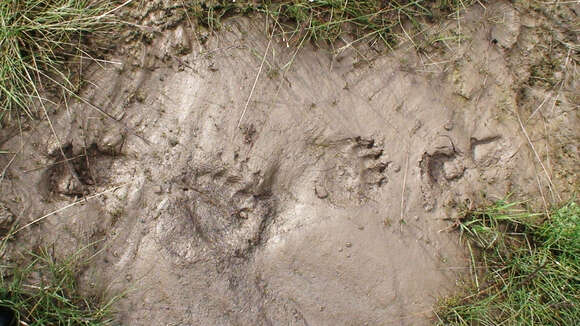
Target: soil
[{"x": 324, "y": 195}]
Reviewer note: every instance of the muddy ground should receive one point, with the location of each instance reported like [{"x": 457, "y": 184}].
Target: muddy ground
[{"x": 321, "y": 196}]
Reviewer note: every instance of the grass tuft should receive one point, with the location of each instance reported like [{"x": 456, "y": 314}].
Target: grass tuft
[
  {"x": 36, "y": 38},
  {"x": 531, "y": 265},
  {"x": 328, "y": 20},
  {"x": 44, "y": 292}
]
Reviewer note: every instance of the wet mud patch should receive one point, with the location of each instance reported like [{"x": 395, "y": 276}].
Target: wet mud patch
[
  {"x": 316, "y": 197},
  {"x": 215, "y": 216},
  {"x": 441, "y": 165},
  {"x": 77, "y": 172},
  {"x": 354, "y": 169}
]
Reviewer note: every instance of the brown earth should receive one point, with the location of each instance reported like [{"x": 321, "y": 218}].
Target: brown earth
[{"x": 321, "y": 196}]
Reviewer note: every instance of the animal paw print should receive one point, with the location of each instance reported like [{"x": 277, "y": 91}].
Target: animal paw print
[
  {"x": 217, "y": 214},
  {"x": 357, "y": 168},
  {"x": 79, "y": 170},
  {"x": 439, "y": 167},
  {"x": 372, "y": 161}
]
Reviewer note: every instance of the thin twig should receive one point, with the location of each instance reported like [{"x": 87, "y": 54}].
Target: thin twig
[
  {"x": 114, "y": 9},
  {"x": 53, "y": 164},
  {"x": 403, "y": 190},
  {"x": 534, "y": 273},
  {"x": 550, "y": 184},
  {"x": 543, "y": 197},
  {"x": 539, "y": 107},
  {"x": 67, "y": 206},
  {"x": 69, "y": 165},
  {"x": 256, "y": 80},
  {"x": 6, "y": 167}
]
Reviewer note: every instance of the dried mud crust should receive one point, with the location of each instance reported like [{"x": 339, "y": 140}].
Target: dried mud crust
[{"x": 215, "y": 216}]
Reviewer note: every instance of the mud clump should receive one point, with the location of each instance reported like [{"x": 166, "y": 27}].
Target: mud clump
[{"x": 506, "y": 27}]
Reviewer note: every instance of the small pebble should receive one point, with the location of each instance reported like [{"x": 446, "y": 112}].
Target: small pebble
[
  {"x": 320, "y": 191},
  {"x": 448, "y": 125},
  {"x": 348, "y": 245}
]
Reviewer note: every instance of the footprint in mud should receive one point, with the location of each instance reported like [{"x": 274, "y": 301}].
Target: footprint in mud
[
  {"x": 439, "y": 168},
  {"x": 357, "y": 167},
  {"x": 76, "y": 171},
  {"x": 216, "y": 216},
  {"x": 486, "y": 151}
]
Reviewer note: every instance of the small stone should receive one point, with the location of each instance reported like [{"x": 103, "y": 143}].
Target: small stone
[
  {"x": 361, "y": 227},
  {"x": 181, "y": 41},
  {"x": 320, "y": 191},
  {"x": 416, "y": 127},
  {"x": 212, "y": 67},
  {"x": 243, "y": 215},
  {"x": 348, "y": 244},
  {"x": 397, "y": 168},
  {"x": 448, "y": 125},
  {"x": 111, "y": 142}
]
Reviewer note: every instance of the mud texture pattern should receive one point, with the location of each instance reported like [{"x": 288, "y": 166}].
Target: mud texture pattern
[{"x": 323, "y": 195}]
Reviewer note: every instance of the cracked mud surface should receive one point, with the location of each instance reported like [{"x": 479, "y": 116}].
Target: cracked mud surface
[{"x": 322, "y": 203}]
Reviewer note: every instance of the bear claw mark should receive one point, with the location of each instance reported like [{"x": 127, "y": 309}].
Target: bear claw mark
[{"x": 359, "y": 166}]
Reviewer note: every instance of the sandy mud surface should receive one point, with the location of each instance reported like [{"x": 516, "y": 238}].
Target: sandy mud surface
[{"x": 318, "y": 197}]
